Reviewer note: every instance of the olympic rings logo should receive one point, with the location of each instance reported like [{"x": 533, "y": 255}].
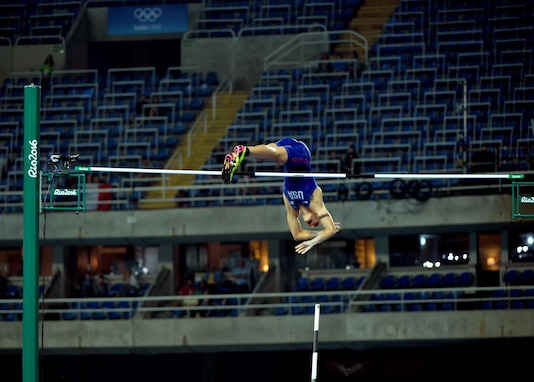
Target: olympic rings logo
[{"x": 147, "y": 14}]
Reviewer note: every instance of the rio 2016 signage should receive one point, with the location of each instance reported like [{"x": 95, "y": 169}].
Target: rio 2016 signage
[{"x": 33, "y": 158}]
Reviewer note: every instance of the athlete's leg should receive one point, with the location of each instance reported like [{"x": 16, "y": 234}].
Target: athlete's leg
[
  {"x": 232, "y": 161},
  {"x": 268, "y": 151}
]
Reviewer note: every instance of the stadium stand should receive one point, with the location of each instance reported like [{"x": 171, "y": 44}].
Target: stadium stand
[{"x": 411, "y": 78}]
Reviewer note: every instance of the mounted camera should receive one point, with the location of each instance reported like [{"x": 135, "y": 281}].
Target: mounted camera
[{"x": 67, "y": 160}]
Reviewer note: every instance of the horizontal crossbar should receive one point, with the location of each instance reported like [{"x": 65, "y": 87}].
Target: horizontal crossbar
[{"x": 206, "y": 172}]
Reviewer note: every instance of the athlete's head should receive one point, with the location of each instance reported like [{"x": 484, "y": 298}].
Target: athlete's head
[{"x": 309, "y": 217}]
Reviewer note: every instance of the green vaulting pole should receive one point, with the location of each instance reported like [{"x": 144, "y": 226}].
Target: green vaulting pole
[{"x": 30, "y": 241}]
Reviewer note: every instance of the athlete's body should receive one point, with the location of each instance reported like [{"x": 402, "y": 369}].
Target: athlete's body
[{"x": 301, "y": 195}]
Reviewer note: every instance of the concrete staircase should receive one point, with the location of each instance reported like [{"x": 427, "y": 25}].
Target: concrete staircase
[
  {"x": 369, "y": 22},
  {"x": 203, "y": 143}
]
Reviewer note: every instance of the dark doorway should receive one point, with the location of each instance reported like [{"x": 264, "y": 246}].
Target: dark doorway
[{"x": 129, "y": 54}]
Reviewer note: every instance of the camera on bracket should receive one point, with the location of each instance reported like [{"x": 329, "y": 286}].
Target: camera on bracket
[{"x": 66, "y": 160}]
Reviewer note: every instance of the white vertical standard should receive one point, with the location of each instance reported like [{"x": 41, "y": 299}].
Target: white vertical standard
[{"x": 315, "y": 340}]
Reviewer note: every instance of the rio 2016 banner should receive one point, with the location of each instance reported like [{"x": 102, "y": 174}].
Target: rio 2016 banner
[{"x": 149, "y": 19}]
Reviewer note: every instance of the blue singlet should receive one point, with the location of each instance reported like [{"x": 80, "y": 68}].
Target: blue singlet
[{"x": 298, "y": 190}]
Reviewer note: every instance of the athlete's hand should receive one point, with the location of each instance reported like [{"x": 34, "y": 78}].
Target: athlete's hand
[{"x": 304, "y": 247}]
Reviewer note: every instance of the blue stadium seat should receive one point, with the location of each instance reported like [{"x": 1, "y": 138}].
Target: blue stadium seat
[
  {"x": 448, "y": 280},
  {"x": 14, "y": 291},
  {"x": 333, "y": 283},
  {"x": 317, "y": 284},
  {"x": 434, "y": 280},
  {"x": 465, "y": 279},
  {"x": 302, "y": 284},
  {"x": 296, "y": 310},
  {"x": 403, "y": 282},
  {"x": 526, "y": 277},
  {"x": 116, "y": 289},
  {"x": 389, "y": 281},
  {"x": 348, "y": 283}
]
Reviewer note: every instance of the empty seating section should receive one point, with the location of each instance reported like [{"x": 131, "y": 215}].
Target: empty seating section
[
  {"x": 11, "y": 304},
  {"x": 113, "y": 305},
  {"x": 517, "y": 289},
  {"x": 423, "y": 290},
  {"x": 251, "y": 17},
  {"x": 313, "y": 288},
  {"x": 338, "y": 291},
  {"x": 396, "y": 289},
  {"x": 37, "y": 22},
  {"x": 441, "y": 81},
  {"x": 99, "y": 118}
]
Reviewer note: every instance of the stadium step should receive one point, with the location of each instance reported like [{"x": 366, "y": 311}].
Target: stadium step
[
  {"x": 369, "y": 22},
  {"x": 202, "y": 144}
]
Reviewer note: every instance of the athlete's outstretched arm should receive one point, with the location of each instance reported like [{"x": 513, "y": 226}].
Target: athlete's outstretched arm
[
  {"x": 294, "y": 225},
  {"x": 330, "y": 228}
]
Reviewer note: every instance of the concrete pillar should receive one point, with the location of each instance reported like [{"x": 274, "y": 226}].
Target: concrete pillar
[
  {"x": 473, "y": 248},
  {"x": 273, "y": 248},
  {"x": 382, "y": 249},
  {"x": 58, "y": 265},
  {"x": 505, "y": 253},
  {"x": 166, "y": 260}
]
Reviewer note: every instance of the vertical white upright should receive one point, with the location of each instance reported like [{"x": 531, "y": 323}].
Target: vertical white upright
[
  {"x": 315, "y": 341},
  {"x": 464, "y": 107}
]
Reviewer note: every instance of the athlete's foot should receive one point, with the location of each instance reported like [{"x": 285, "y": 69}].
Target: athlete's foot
[{"x": 232, "y": 161}]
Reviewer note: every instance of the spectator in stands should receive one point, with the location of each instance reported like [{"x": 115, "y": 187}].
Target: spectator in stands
[
  {"x": 47, "y": 67},
  {"x": 339, "y": 65},
  {"x": 96, "y": 198},
  {"x": 241, "y": 277},
  {"x": 142, "y": 101},
  {"x": 347, "y": 161},
  {"x": 325, "y": 66},
  {"x": 102, "y": 285},
  {"x": 130, "y": 284},
  {"x": 355, "y": 65},
  {"x": 188, "y": 289},
  {"x": 4, "y": 282},
  {"x": 105, "y": 196},
  {"x": 201, "y": 290},
  {"x": 91, "y": 197},
  {"x": 180, "y": 195},
  {"x": 204, "y": 302},
  {"x": 302, "y": 195},
  {"x": 140, "y": 111},
  {"x": 213, "y": 278},
  {"x": 201, "y": 286},
  {"x": 86, "y": 286},
  {"x": 154, "y": 109},
  {"x": 335, "y": 163},
  {"x": 253, "y": 265},
  {"x": 4, "y": 167}
]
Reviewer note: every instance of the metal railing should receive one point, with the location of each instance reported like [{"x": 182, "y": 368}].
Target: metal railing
[
  {"x": 266, "y": 190},
  {"x": 294, "y": 303}
]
